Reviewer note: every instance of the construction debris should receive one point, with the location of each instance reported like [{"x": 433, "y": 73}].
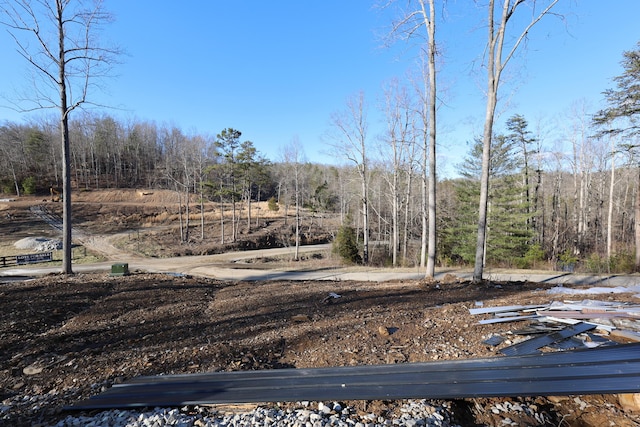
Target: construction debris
[
  {"x": 609, "y": 319},
  {"x": 329, "y": 298},
  {"x": 531, "y": 346}
]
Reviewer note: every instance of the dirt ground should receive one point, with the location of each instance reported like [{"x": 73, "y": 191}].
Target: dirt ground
[{"x": 63, "y": 339}]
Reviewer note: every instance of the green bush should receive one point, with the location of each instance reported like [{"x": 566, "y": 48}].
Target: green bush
[
  {"x": 618, "y": 263},
  {"x": 272, "y": 204},
  {"x": 7, "y": 187},
  {"x": 596, "y": 264},
  {"x": 531, "y": 258},
  {"x": 567, "y": 261},
  {"x": 623, "y": 262},
  {"x": 29, "y": 185},
  {"x": 346, "y": 245}
]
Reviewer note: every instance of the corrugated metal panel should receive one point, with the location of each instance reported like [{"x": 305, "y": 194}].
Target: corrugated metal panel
[
  {"x": 595, "y": 371},
  {"x": 531, "y": 346}
]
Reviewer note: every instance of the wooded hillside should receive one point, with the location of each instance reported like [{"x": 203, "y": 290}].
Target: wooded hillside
[{"x": 547, "y": 209}]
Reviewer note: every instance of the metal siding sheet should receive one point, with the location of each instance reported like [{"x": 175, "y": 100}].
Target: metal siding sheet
[
  {"x": 602, "y": 370},
  {"x": 531, "y": 346}
]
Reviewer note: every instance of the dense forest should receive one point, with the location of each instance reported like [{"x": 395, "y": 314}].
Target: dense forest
[{"x": 547, "y": 208}]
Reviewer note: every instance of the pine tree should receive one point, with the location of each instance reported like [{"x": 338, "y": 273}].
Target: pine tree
[
  {"x": 624, "y": 101},
  {"x": 346, "y": 244},
  {"x": 508, "y": 235}
]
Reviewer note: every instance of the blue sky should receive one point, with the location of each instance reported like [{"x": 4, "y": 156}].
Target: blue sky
[{"x": 278, "y": 70}]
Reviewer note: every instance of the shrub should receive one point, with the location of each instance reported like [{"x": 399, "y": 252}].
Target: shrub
[
  {"x": 531, "y": 258},
  {"x": 346, "y": 245},
  {"x": 29, "y": 185},
  {"x": 272, "y": 204},
  {"x": 567, "y": 261},
  {"x": 623, "y": 262},
  {"x": 618, "y": 263},
  {"x": 7, "y": 187}
]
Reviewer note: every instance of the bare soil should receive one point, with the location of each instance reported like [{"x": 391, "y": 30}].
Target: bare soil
[{"x": 63, "y": 339}]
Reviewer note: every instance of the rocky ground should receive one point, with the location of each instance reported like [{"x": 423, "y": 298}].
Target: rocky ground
[{"x": 65, "y": 339}]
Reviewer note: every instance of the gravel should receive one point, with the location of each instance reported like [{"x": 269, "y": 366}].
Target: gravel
[
  {"x": 39, "y": 244},
  {"x": 412, "y": 414}
]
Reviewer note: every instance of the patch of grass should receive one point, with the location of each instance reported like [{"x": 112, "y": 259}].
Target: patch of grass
[
  {"x": 8, "y": 249},
  {"x": 79, "y": 255}
]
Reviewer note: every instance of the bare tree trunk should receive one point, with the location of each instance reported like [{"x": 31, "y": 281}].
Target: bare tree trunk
[
  {"x": 555, "y": 209},
  {"x": 201, "y": 210},
  {"x": 637, "y": 223},
  {"x": 249, "y": 211},
  {"x": 187, "y": 214},
  {"x": 395, "y": 218},
  {"x": 66, "y": 155},
  {"x": 15, "y": 180},
  {"x": 221, "y": 216},
  {"x": 495, "y": 65},
  {"x": 234, "y": 219},
  {"x": 297, "y": 250},
  {"x": 405, "y": 238},
  {"x": 180, "y": 212},
  {"x": 424, "y": 236},
  {"x": 484, "y": 180},
  {"x": 431, "y": 29},
  {"x": 66, "y": 188},
  {"x": 365, "y": 216},
  {"x": 610, "y": 208}
]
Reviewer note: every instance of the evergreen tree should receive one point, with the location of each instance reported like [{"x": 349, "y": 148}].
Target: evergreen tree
[
  {"x": 457, "y": 240},
  {"x": 624, "y": 101},
  {"x": 346, "y": 244},
  {"x": 507, "y": 236}
]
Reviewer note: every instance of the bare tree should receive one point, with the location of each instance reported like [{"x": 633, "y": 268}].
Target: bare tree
[
  {"x": 294, "y": 159},
  {"x": 397, "y": 147},
  {"x": 350, "y": 142},
  {"x": 58, "y": 38},
  {"x": 496, "y": 63},
  {"x": 612, "y": 182},
  {"x": 11, "y": 159},
  {"x": 408, "y": 26}
]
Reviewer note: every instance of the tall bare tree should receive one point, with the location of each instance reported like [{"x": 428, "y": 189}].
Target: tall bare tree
[
  {"x": 294, "y": 160},
  {"x": 423, "y": 13},
  {"x": 430, "y": 23},
  {"x": 496, "y": 61},
  {"x": 612, "y": 184},
  {"x": 350, "y": 143},
  {"x": 58, "y": 38},
  {"x": 396, "y": 149}
]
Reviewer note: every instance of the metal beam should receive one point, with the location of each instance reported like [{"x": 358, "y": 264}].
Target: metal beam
[{"x": 594, "y": 371}]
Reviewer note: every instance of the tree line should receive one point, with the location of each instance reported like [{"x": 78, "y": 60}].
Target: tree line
[{"x": 545, "y": 206}]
